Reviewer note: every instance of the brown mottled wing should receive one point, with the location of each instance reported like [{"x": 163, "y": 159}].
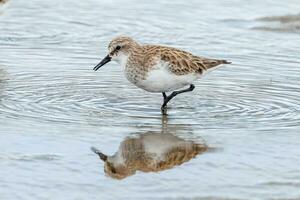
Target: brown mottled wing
[
  {"x": 180, "y": 154},
  {"x": 182, "y": 62}
]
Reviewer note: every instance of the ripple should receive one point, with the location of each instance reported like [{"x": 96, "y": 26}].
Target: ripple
[
  {"x": 33, "y": 157},
  {"x": 71, "y": 98},
  {"x": 285, "y": 23},
  {"x": 282, "y": 184},
  {"x": 282, "y": 19},
  {"x": 273, "y": 104},
  {"x": 67, "y": 99}
]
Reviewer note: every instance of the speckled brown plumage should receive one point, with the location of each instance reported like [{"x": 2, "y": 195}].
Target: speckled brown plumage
[
  {"x": 181, "y": 62},
  {"x": 138, "y": 158},
  {"x": 144, "y": 57}
]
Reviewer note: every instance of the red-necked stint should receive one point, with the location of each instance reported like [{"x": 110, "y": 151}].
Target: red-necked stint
[{"x": 157, "y": 68}]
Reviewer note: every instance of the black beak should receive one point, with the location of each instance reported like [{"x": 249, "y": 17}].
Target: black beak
[
  {"x": 101, "y": 155},
  {"x": 103, "y": 62}
]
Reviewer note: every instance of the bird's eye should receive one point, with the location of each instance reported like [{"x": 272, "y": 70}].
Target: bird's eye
[{"x": 118, "y": 47}]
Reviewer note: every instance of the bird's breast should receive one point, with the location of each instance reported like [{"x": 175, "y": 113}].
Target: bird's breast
[
  {"x": 157, "y": 78},
  {"x": 134, "y": 74}
]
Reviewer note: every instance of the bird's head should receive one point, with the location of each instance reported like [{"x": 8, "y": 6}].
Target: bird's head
[
  {"x": 112, "y": 167},
  {"x": 118, "y": 50}
]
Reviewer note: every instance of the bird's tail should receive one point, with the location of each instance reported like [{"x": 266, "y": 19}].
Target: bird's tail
[{"x": 212, "y": 64}]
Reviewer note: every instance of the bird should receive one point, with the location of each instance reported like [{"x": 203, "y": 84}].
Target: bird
[{"x": 158, "y": 68}]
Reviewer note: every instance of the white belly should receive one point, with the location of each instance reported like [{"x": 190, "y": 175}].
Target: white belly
[{"x": 160, "y": 79}]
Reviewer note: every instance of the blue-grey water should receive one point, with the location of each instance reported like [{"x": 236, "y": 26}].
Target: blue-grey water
[{"x": 53, "y": 107}]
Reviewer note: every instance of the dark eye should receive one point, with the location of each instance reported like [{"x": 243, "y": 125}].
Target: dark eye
[{"x": 118, "y": 47}]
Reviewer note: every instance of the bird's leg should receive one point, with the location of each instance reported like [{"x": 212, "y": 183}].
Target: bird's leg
[
  {"x": 164, "y": 95},
  {"x": 164, "y": 109},
  {"x": 171, "y": 96}
]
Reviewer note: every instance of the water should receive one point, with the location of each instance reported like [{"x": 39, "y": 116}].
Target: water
[{"x": 53, "y": 107}]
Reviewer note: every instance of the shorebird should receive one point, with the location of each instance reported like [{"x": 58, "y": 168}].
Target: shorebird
[{"x": 157, "y": 68}]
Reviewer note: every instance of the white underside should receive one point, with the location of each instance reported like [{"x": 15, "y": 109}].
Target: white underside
[
  {"x": 156, "y": 145},
  {"x": 161, "y": 79}
]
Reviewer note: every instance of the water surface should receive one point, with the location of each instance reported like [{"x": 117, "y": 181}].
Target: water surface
[{"x": 53, "y": 107}]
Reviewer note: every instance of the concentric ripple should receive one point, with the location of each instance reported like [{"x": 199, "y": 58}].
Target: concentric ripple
[
  {"x": 83, "y": 96},
  {"x": 68, "y": 98}
]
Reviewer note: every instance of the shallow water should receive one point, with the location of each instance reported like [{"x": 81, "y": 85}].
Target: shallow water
[{"x": 53, "y": 107}]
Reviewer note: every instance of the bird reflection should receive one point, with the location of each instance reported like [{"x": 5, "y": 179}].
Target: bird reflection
[{"x": 149, "y": 152}]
